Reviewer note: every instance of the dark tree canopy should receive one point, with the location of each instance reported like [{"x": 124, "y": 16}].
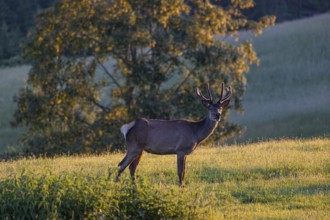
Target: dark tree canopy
[
  {"x": 98, "y": 64},
  {"x": 16, "y": 18}
]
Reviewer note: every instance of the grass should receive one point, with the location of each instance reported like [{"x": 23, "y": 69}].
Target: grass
[{"x": 286, "y": 179}]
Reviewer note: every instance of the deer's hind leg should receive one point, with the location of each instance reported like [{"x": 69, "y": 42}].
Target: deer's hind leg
[
  {"x": 133, "y": 165},
  {"x": 122, "y": 161},
  {"x": 128, "y": 159}
]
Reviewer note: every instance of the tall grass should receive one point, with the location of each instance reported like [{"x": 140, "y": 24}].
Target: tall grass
[{"x": 287, "y": 179}]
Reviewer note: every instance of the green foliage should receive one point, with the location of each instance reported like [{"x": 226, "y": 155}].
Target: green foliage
[
  {"x": 91, "y": 197},
  {"x": 151, "y": 43},
  {"x": 8, "y": 46}
]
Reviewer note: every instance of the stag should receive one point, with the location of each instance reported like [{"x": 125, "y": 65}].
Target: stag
[{"x": 179, "y": 137}]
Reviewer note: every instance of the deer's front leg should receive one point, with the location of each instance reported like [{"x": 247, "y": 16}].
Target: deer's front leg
[{"x": 181, "y": 159}]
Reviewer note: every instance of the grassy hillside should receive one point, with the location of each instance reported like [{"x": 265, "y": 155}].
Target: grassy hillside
[
  {"x": 289, "y": 93},
  {"x": 12, "y": 79},
  {"x": 287, "y": 179}
]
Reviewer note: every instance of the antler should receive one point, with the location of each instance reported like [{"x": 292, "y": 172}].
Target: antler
[
  {"x": 227, "y": 96},
  {"x": 209, "y": 92},
  {"x": 200, "y": 95},
  {"x": 210, "y": 99},
  {"x": 221, "y": 92}
]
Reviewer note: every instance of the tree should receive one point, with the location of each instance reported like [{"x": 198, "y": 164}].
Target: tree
[{"x": 160, "y": 51}]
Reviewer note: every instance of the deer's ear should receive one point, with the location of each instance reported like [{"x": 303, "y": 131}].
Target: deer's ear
[
  {"x": 206, "y": 103},
  {"x": 225, "y": 103}
]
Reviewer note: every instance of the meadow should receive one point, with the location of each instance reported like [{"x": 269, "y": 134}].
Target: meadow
[
  {"x": 280, "y": 178},
  {"x": 287, "y": 179}
]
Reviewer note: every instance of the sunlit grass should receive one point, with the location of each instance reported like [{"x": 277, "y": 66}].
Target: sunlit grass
[{"x": 284, "y": 179}]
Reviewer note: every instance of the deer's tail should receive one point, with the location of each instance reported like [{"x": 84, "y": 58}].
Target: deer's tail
[{"x": 126, "y": 127}]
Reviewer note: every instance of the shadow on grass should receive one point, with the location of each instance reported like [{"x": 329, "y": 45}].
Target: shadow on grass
[
  {"x": 265, "y": 194},
  {"x": 280, "y": 193},
  {"x": 214, "y": 174}
]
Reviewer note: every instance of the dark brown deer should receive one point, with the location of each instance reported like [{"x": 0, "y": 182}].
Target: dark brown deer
[{"x": 179, "y": 137}]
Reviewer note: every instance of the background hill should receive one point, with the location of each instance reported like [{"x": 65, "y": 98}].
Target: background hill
[
  {"x": 12, "y": 79},
  {"x": 287, "y": 95}
]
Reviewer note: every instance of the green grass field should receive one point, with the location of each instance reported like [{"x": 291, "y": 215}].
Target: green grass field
[{"x": 287, "y": 179}]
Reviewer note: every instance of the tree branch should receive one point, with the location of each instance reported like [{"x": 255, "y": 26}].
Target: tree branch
[
  {"x": 183, "y": 82},
  {"x": 105, "y": 109},
  {"x": 109, "y": 74}
]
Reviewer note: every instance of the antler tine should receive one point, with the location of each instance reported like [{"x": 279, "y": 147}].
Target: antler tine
[
  {"x": 228, "y": 94},
  {"x": 221, "y": 93},
  {"x": 209, "y": 92},
  {"x": 200, "y": 95},
  {"x": 222, "y": 84}
]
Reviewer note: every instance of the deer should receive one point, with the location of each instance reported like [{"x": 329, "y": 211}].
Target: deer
[{"x": 162, "y": 137}]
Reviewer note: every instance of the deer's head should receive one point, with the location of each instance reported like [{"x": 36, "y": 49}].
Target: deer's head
[{"x": 215, "y": 108}]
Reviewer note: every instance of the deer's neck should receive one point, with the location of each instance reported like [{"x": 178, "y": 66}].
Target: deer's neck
[{"x": 205, "y": 128}]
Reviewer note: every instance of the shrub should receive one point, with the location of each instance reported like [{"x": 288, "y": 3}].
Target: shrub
[{"x": 70, "y": 196}]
